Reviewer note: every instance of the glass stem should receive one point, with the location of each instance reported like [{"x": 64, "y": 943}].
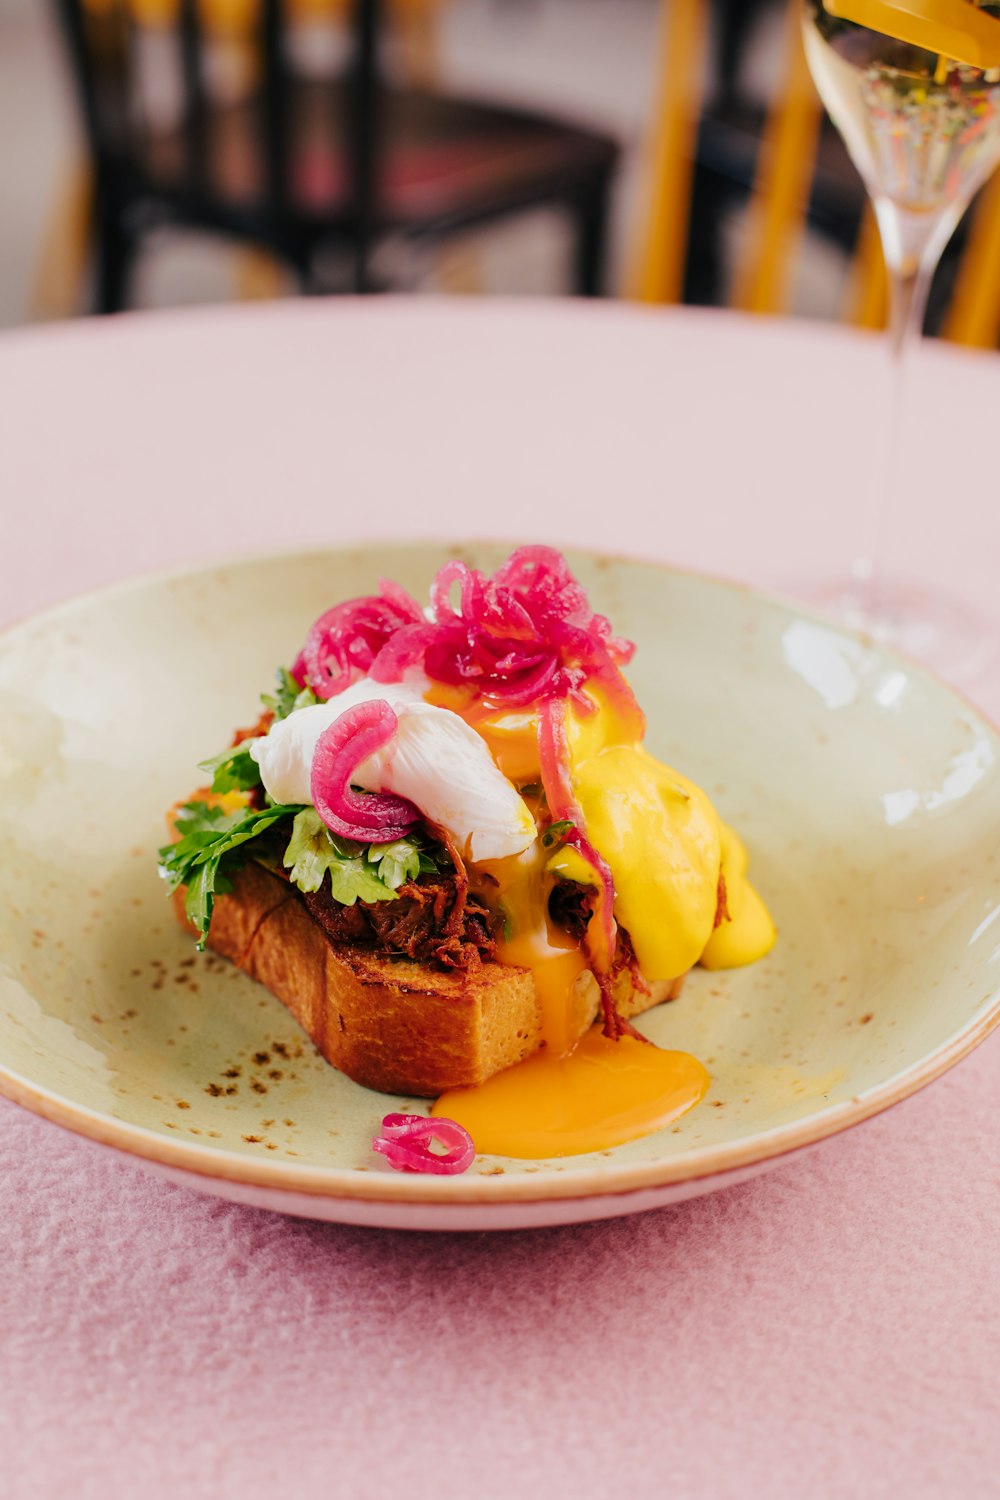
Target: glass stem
[{"x": 912, "y": 246}]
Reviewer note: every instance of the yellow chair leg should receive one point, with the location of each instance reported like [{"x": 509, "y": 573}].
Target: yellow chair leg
[
  {"x": 781, "y": 187},
  {"x": 868, "y": 291},
  {"x": 259, "y": 277},
  {"x": 659, "y": 273},
  {"x": 58, "y": 287},
  {"x": 418, "y": 40},
  {"x": 974, "y": 317},
  {"x": 460, "y": 270}
]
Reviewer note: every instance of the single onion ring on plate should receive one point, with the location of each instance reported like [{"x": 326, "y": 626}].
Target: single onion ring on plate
[{"x": 405, "y": 1142}]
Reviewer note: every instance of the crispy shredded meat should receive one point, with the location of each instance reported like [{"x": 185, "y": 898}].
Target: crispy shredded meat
[
  {"x": 433, "y": 920},
  {"x": 572, "y": 906},
  {"x": 722, "y": 904},
  {"x": 255, "y": 731},
  {"x": 456, "y": 917}
]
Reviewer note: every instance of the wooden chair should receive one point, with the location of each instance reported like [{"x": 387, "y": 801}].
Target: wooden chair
[
  {"x": 789, "y": 166},
  {"x": 309, "y": 168}
]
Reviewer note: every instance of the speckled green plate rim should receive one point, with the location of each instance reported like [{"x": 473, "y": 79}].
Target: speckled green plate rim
[{"x": 377, "y": 1186}]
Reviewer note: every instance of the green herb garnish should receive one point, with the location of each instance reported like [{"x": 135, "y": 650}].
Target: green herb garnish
[
  {"x": 556, "y": 833},
  {"x": 358, "y": 872},
  {"x": 313, "y": 851},
  {"x": 233, "y": 770},
  {"x": 288, "y": 697},
  {"x": 210, "y": 836},
  {"x": 213, "y": 843}
]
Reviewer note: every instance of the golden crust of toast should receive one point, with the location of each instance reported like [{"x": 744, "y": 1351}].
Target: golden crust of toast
[{"x": 397, "y": 1026}]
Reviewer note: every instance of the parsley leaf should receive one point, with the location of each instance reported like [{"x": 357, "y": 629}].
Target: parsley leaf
[
  {"x": 211, "y": 844},
  {"x": 556, "y": 833},
  {"x": 209, "y": 836},
  {"x": 399, "y": 862},
  {"x": 288, "y": 697},
  {"x": 234, "y": 770},
  {"x": 313, "y": 850}
]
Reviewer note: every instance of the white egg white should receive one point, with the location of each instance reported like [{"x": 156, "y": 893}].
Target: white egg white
[{"x": 434, "y": 759}]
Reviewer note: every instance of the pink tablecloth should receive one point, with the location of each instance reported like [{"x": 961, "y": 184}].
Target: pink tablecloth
[{"x": 831, "y": 1329}]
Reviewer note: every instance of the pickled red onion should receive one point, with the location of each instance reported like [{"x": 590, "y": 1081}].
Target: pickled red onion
[
  {"x": 525, "y": 635},
  {"x": 553, "y": 754},
  {"x": 369, "y": 817},
  {"x": 405, "y": 1142},
  {"x": 345, "y": 640},
  {"x": 404, "y": 649}
]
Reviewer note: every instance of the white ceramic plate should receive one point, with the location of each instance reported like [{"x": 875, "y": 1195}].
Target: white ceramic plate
[{"x": 869, "y": 796}]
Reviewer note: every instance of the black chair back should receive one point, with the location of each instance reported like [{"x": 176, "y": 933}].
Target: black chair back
[
  {"x": 104, "y": 50},
  {"x": 309, "y": 168}
]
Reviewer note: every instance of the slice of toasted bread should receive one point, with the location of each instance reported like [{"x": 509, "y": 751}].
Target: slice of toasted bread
[{"x": 391, "y": 1024}]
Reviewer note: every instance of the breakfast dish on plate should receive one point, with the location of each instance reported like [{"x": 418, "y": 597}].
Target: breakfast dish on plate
[
  {"x": 445, "y": 848},
  {"x": 868, "y": 794}
]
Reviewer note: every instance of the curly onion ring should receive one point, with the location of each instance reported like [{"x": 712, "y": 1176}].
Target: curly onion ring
[{"x": 405, "y": 1142}]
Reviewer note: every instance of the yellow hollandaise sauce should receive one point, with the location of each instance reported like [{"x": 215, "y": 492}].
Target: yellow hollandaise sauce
[
  {"x": 748, "y": 932},
  {"x": 666, "y": 848}
]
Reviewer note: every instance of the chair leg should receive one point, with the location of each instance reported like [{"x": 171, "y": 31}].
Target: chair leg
[
  {"x": 259, "y": 275},
  {"x": 591, "y": 211},
  {"x": 362, "y": 276},
  {"x": 114, "y": 256},
  {"x": 704, "y": 273},
  {"x": 62, "y": 258}
]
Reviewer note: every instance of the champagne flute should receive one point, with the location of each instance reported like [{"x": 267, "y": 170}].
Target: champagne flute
[{"x": 913, "y": 86}]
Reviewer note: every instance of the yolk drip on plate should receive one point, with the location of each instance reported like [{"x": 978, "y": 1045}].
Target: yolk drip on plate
[
  {"x": 667, "y": 849},
  {"x": 602, "y": 1094}
]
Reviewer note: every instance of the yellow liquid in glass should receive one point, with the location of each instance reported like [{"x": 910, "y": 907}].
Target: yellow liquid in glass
[{"x": 922, "y": 126}]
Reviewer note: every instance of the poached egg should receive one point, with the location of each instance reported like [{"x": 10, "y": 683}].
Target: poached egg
[{"x": 435, "y": 760}]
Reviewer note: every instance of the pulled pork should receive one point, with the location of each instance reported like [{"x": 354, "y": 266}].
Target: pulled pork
[
  {"x": 433, "y": 920},
  {"x": 571, "y": 907}
]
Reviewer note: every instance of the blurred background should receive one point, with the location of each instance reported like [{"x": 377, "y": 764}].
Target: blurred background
[{"x": 168, "y": 152}]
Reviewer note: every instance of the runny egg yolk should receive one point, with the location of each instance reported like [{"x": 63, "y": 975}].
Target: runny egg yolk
[
  {"x": 602, "y": 1094},
  {"x": 666, "y": 848},
  {"x": 531, "y": 940},
  {"x": 511, "y": 734}
]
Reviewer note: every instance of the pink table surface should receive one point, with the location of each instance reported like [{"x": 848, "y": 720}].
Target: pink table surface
[{"x": 830, "y": 1329}]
